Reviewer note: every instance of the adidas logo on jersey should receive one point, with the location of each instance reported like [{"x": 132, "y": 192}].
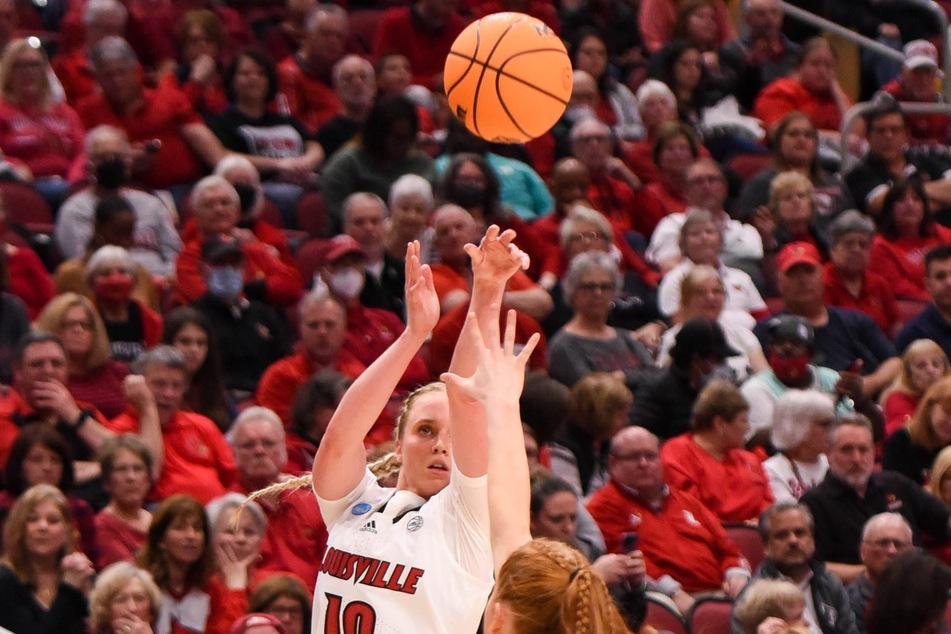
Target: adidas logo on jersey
[{"x": 369, "y": 527}]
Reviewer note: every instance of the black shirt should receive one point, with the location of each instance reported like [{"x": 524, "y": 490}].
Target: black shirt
[
  {"x": 126, "y": 338},
  {"x": 21, "y": 612},
  {"x": 840, "y": 514},
  {"x": 872, "y": 173},
  {"x": 272, "y": 135}
]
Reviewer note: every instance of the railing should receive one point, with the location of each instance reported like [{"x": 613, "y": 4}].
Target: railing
[
  {"x": 859, "y": 109},
  {"x": 928, "y": 5}
]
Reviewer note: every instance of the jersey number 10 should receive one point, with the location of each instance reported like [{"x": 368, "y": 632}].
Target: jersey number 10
[{"x": 356, "y": 617}]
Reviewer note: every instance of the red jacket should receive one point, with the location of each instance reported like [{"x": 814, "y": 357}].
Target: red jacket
[{"x": 682, "y": 539}]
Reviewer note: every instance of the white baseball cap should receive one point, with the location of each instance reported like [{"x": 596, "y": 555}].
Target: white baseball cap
[{"x": 920, "y": 53}]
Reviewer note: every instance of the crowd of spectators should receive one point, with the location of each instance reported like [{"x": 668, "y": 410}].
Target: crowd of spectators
[{"x": 735, "y": 329}]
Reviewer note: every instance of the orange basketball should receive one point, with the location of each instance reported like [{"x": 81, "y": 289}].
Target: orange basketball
[{"x": 508, "y": 77}]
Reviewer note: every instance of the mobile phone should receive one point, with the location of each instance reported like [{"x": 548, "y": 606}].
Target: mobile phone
[{"x": 629, "y": 542}]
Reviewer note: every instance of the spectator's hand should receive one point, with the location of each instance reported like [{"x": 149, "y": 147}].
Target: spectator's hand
[
  {"x": 613, "y": 568},
  {"x": 649, "y": 334},
  {"x": 204, "y": 69},
  {"x": 137, "y": 392},
  {"x": 234, "y": 570},
  {"x": 243, "y": 236},
  {"x": 850, "y": 382},
  {"x": 422, "y": 303},
  {"x": 130, "y": 624},
  {"x": 683, "y": 601},
  {"x": 711, "y": 60},
  {"x": 616, "y": 168},
  {"x": 496, "y": 259},
  {"x": 889, "y": 30},
  {"x": 77, "y": 571},
  {"x": 141, "y": 158},
  {"x": 637, "y": 569},
  {"x": 772, "y": 625},
  {"x": 733, "y": 584},
  {"x": 53, "y": 396},
  {"x": 764, "y": 222}
]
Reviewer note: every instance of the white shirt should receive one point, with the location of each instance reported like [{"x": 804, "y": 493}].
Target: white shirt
[
  {"x": 415, "y": 566},
  {"x": 742, "y": 298},
  {"x": 740, "y": 240},
  {"x": 789, "y": 484}
]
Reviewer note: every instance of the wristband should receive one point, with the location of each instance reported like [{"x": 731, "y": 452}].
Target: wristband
[{"x": 84, "y": 416}]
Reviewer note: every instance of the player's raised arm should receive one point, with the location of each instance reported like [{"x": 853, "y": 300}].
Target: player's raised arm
[
  {"x": 494, "y": 261},
  {"x": 341, "y": 458},
  {"x": 497, "y": 384}
]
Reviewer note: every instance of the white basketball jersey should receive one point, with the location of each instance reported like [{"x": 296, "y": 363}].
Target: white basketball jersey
[{"x": 399, "y": 564}]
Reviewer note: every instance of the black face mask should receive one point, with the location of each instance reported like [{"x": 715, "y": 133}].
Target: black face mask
[
  {"x": 111, "y": 174},
  {"x": 468, "y": 195},
  {"x": 248, "y": 195}
]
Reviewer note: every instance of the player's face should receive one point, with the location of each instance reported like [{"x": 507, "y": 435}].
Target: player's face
[{"x": 425, "y": 448}]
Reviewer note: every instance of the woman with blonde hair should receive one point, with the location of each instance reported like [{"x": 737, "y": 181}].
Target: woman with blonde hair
[
  {"x": 36, "y": 130},
  {"x": 775, "y": 603},
  {"x": 597, "y": 408},
  {"x": 43, "y": 581},
  {"x": 940, "y": 482},
  {"x": 703, "y": 296},
  {"x": 922, "y": 364},
  {"x": 912, "y": 449},
  {"x": 794, "y": 211},
  {"x": 124, "y": 600},
  {"x": 93, "y": 376}
]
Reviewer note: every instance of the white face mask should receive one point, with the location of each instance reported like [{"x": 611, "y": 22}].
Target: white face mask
[{"x": 346, "y": 283}]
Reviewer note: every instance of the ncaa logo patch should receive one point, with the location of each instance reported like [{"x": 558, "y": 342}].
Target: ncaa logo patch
[
  {"x": 361, "y": 508},
  {"x": 415, "y": 524}
]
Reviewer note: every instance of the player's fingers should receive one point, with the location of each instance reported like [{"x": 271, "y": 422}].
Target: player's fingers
[
  {"x": 509, "y": 345},
  {"x": 529, "y": 348}
]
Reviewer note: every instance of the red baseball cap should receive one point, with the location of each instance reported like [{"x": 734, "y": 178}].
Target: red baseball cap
[
  {"x": 797, "y": 253},
  {"x": 342, "y": 245}
]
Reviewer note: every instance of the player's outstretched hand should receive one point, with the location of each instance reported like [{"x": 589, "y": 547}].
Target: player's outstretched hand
[
  {"x": 422, "y": 303},
  {"x": 496, "y": 259},
  {"x": 500, "y": 372}
]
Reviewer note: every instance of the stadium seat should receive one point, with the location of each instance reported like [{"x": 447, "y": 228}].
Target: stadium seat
[
  {"x": 747, "y": 539},
  {"x": 710, "y": 616},
  {"x": 662, "y": 615}
]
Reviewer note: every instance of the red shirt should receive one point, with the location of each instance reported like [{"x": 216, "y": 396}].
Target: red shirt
[
  {"x": 310, "y": 99},
  {"x": 670, "y": 201},
  {"x": 681, "y": 539},
  {"x": 162, "y": 116},
  {"x": 76, "y": 75},
  {"x": 735, "y": 489},
  {"x": 279, "y": 383},
  {"x": 897, "y": 409},
  {"x": 162, "y": 42},
  {"x": 117, "y": 540},
  {"x": 198, "y": 459},
  {"x": 902, "y": 262},
  {"x": 401, "y": 31},
  {"x": 50, "y": 143},
  {"x": 204, "y": 99},
  {"x": 262, "y": 230},
  {"x": 370, "y": 331},
  {"x": 296, "y": 534},
  {"x": 626, "y": 209},
  {"x": 786, "y": 94},
  {"x": 30, "y": 281},
  {"x": 876, "y": 299}
]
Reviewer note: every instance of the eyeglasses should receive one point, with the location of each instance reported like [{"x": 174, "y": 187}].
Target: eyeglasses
[
  {"x": 885, "y": 542},
  {"x": 70, "y": 324},
  {"x": 637, "y": 456},
  {"x": 591, "y": 287},
  {"x": 586, "y": 235},
  {"x": 248, "y": 445}
]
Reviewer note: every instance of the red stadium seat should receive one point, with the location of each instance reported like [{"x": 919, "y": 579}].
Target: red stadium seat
[
  {"x": 309, "y": 258},
  {"x": 747, "y": 539},
  {"x": 663, "y": 617},
  {"x": 710, "y": 616},
  {"x": 312, "y": 215}
]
